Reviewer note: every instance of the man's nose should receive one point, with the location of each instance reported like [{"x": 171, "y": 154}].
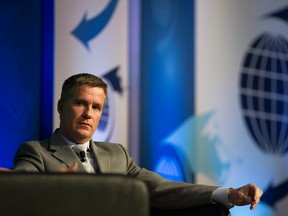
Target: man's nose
[{"x": 88, "y": 112}]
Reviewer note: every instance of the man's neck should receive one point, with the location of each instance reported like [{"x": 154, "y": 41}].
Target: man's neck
[{"x": 70, "y": 139}]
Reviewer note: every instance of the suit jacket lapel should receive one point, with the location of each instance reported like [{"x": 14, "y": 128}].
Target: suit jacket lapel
[
  {"x": 64, "y": 153},
  {"x": 102, "y": 158}
]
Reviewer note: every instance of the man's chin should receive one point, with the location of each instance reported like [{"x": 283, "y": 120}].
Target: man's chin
[{"x": 84, "y": 134}]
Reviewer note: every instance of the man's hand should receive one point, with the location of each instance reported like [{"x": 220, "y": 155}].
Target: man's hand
[
  {"x": 248, "y": 194},
  {"x": 71, "y": 169},
  {"x": 5, "y": 170}
]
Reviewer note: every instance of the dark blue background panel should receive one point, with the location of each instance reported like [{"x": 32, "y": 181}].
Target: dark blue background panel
[
  {"x": 167, "y": 72},
  {"x": 47, "y": 69},
  {"x": 20, "y": 70}
]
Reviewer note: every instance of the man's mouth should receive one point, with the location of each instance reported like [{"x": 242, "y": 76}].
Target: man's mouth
[{"x": 85, "y": 124}]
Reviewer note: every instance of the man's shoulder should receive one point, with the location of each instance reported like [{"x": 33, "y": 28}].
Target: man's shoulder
[
  {"x": 108, "y": 145},
  {"x": 36, "y": 143},
  {"x": 105, "y": 144}
]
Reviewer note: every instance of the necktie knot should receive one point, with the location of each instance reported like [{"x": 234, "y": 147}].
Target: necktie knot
[{"x": 80, "y": 147}]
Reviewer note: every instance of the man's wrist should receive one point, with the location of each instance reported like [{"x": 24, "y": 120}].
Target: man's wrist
[{"x": 220, "y": 195}]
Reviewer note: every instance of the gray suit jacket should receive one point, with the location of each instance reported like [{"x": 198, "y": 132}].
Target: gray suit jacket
[{"x": 54, "y": 154}]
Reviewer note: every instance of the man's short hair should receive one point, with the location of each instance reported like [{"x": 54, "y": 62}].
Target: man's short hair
[{"x": 80, "y": 80}]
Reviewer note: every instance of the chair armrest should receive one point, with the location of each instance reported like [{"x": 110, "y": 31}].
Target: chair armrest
[{"x": 72, "y": 194}]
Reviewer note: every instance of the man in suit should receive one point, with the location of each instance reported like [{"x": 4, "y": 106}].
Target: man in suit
[{"x": 71, "y": 149}]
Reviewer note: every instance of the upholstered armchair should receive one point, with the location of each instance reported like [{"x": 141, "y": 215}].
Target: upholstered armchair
[
  {"x": 79, "y": 194},
  {"x": 71, "y": 194}
]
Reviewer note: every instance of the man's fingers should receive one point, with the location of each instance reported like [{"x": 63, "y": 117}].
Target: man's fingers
[
  {"x": 5, "y": 170},
  {"x": 74, "y": 167},
  {"x": 71, "y": 169},
  {"x": 254, "y": 204},
  {"x": 255, "y": 194}
]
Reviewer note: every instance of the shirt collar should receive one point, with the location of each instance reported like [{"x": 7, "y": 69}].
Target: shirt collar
[{"x": 71, "y": 143}]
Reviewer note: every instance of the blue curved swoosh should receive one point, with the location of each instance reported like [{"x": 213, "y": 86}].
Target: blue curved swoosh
[{"x": 88, "y": 29}]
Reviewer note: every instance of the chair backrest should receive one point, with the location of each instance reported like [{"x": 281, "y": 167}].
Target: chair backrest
[{"x": 72, "y": 194}]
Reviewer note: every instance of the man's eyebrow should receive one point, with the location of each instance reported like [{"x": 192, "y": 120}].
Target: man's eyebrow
[
  {"x": 79, "y": 100},
  {"x": 98, "y": 104}
]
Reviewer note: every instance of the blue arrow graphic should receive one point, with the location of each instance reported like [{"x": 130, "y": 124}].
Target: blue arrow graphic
[
  {"x": 273, "y": 194},
  {"x": 88, "y": 29},
  {"x": 280, "y": 14},
  {"x": 114, "y": 79}
]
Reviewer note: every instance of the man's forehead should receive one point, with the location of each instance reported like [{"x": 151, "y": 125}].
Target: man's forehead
[
  {"x": 84, "y": 88},
  {"x": 81, "y": 92}
]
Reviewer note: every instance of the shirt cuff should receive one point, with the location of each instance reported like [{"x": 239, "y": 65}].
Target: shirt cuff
[{"x": 220, "y": 195}]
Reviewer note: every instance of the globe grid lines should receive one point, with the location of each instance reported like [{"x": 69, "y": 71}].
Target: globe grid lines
[
  {"x": 271, "y": 54},
  {"x": 265, "y": 74},
  {"x": 264, "y": 92}
]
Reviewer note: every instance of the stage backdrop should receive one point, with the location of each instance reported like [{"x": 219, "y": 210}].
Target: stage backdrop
[
  {"x": 167, "y": 79},
  {"x": 91, "y": 36},
  {"x": 241, "y": 98},
  {"x": 222, "y": 121},
  {"x": 20, "y": 71}
]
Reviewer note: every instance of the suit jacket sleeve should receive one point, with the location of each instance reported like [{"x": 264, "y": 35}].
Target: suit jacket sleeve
[
  {"x": 169, "y": 194},
  {"x": 34, "y": 157},
  {"x": 28, "y": 158}
]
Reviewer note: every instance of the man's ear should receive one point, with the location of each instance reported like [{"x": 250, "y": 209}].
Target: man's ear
[{"x": 60, "y": 106}]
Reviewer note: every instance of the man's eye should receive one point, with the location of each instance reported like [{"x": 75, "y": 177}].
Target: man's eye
[
  {"x": 78, "y": 103},
  {"x": 96, "y": 107}
]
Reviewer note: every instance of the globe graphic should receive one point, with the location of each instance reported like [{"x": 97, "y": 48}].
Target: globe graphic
[
  {"x": 173, "y": 165},
  {"x": 264, "y": 92}
]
